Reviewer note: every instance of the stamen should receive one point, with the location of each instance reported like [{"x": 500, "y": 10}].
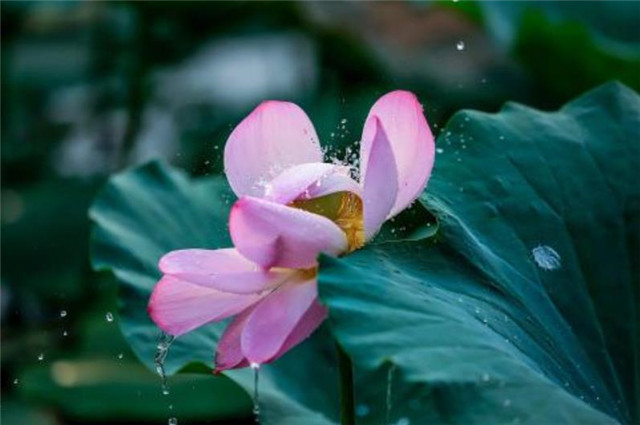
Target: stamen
[{"x": 344, "y": 209}]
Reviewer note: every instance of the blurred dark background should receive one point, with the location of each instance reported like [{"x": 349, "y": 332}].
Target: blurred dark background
[{"x": 90, "y": 88}]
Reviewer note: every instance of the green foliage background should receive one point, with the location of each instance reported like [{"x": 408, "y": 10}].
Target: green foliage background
[{"x": 89, "y": 72}]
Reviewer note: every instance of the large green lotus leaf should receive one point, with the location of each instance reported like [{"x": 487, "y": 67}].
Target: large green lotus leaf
[
  {"x": 144, "y": 213},
  {"x": 523, "y": 309}
]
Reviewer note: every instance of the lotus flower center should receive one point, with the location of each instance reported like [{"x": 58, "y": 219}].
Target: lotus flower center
[{"x": 344, "y": 209}]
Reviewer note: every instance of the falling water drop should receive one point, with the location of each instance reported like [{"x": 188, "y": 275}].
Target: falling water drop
[
  {"x": 256, "y": 394},
  {"x": 161, "y": 354},
  {"x": 460, "y": 45},
  {"x": 390, "y": 372},
  {"x": 109, "y": 316}
]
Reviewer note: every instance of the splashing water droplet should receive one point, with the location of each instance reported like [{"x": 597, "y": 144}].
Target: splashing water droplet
[
  {"x": 390, "y": 372},
  {"x": 546, "y": 257},
  {"x": 362, "y": 410},
  {"x": 161, "y": 354},
  {"x": 256, "y": 394},
  {"x": 63, "y": 313},
  {"x": 460, "y": 45},
  {"x": 109, "y": 316}
]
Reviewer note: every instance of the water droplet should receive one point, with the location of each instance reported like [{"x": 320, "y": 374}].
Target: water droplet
[
  {"x": 506, "y": 403},
  {"x": 120, "y": 356},
  {"x": 439, "y": 150},
  {"x": 109, "y": 316},
  {"x": 501, "y": 137},
  {"x": 172, "y": 421},
  {"x": 161, "y": 354},
  {"x": 546, "y": 257},
  {"x": 16, "y": 381},
  {"x": 40, "y": 357},
  {"x": 362, "y": 410},
  {"x": 63, "y": 313},
  {"x": 485, "y": 377},
  {"x": 65, "y": 333},
  {"x": 460, "y": 45},
  {"x": 403, "y": 421},
  {"x": 343, "y": 121},
  {"x": 256, "y": 394}
]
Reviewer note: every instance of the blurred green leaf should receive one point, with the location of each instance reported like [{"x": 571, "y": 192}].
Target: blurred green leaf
[{"x": 524, "y": 307}]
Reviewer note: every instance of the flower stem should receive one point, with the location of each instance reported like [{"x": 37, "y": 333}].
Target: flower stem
[{"x": 347, "y": 402}]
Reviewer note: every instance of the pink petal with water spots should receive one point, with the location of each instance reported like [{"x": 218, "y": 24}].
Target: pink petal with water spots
[
  {"x": 222, "y": 269},
  {"x": 274, "y": 137},
  {"x": 274, "y": 235},
  {"x": 307, "y": 181},
  {"x": 380, "y": 182},
  {"x": 411, "y": 140},
  {"x": 275, "y": 319},
  {"x": 178, "y": 306},
  {"x": 229, "y": 350}
]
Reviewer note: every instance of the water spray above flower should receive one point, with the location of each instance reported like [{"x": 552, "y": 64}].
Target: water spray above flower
[{"x": 291, "y": 208}]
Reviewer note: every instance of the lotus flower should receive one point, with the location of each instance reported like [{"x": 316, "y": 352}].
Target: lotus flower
[{"x": 291, "y": 207}]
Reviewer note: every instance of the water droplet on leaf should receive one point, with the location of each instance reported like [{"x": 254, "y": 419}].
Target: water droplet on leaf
[{"x": 546, "y": 257}]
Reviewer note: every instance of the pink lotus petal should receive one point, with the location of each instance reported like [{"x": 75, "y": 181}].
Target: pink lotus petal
[
  {"x": 307, "y": 181},
  {"x": 178, "y": 307},
  {"x": 380, "y": 182},
  {"x": 275, "y": 318},
  {"x": 222, "y": 269},
  {"x": 411, "y": 141},
  {"x": 275, "y": 136},
  {"x": 311, "y": 320},
  {"x": 229, "y": 350},
  {"x": 274, "y": 235}
]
